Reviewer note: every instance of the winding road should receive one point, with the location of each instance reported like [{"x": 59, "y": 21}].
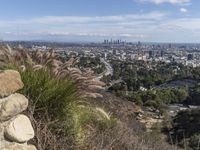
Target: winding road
[{"x": 108, "y": 71}]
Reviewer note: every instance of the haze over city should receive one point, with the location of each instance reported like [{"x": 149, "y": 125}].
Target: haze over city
[
  {"x": 99, "y": 75},
  {"x": 93, "y": 21}
]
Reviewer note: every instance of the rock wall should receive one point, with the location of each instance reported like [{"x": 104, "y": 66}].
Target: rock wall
[{"x": 15, "y": 128}]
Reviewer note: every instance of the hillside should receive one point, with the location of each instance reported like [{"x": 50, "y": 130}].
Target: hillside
[{"x": 68, "y": 109}]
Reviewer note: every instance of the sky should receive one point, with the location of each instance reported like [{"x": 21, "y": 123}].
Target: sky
[{"x": 95, "y": 20}]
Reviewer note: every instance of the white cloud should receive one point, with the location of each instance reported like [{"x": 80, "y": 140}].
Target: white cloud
[
  {"x": 183, "y": 10},
  {"x": 167, "y": 1},
  {"x": 85, "y": 19},
  {"x": 126, "y": 26},
  {"x": 150, "y": 26},
  {"x": 189, "y": 24}
]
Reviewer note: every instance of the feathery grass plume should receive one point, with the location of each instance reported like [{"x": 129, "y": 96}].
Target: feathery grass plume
[
  {"x": 95, "y": 87},
  {"x": 91, "y": 95},
  {"x": 54, "y": 63},
  {"x": 84, "y": 79},
  {"x": 23, "y": 68},
  {"x": 95, "y": 82},
  {"x": 105, "y": 114},
  {"x": 37, "y": 67},
  {"x": 5, "y": 55}
]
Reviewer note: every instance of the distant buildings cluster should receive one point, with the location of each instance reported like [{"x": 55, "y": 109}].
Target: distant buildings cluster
[
  {"x": 186, "y": 54},
  {"x": 114, "y": 42}
]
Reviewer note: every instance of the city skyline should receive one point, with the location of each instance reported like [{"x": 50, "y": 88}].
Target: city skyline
[{"x": 172, "y": 21}]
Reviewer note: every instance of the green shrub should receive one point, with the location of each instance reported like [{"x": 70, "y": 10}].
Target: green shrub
[
  {"x": 56, "y": 102},
  {"x": 48, "y": 93}
]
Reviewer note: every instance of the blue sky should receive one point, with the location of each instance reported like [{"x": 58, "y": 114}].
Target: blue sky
[{"x": 95, "y": 20}]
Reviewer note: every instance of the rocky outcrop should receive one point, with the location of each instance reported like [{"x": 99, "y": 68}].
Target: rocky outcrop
[
  {"x": 19, "y": 129},
  {"x": 149, "y": 118},
  {"x": 15, "y": 128},
  {"x": 10, "y": 82},
  {"x": 12, "y": 105}
]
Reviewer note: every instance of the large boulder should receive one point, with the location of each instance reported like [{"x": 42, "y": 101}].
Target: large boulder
[
  {"x": 16, "y": 146},
  {"x": 12, "y": 105},
  {"x": 10, "y": 82},
  {"x": 19, "y": 129}
]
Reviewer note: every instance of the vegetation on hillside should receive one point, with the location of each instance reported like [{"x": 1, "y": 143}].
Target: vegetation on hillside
[
  {"x": 65, "y": 112},
  {"x": 160, "y": 98},
  {"x": 186, "y": 129},
  {"x": 54, "y": 102},
  {"x": 57, "y": 94},
  {"x": 139, "y": 73},
  {"x": 92, "y": 62},
  {"x": 142, "y": 83}
]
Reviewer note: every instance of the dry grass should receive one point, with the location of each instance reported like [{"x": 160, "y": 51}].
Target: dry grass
[{"x": 87, "y": 86}]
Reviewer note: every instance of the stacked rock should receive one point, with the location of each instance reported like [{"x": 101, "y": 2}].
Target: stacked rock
[{"x": 15, "y": 128}]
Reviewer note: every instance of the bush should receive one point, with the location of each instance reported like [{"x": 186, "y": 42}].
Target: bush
[
  {"x": 50, "y": 103},
  {"x": 47, "y": 93},
  {"x": 57, "y": 112},
  {"x": 185, "y": 129}
]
